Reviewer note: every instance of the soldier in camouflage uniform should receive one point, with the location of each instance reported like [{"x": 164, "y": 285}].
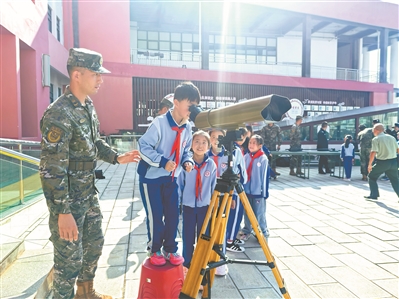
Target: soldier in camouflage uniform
[
  {"x": 272, "y": 137},
  {"x": 295, "y": 146},
  {"x": 364, "y": 139},
  {"x": 70, "y": 146}
]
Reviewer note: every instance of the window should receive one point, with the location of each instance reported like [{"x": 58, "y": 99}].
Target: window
[
  {"x": 171, "y": 44},
  {"x": 339, "y": 129},
  {"x": 59, "y": 91},
  {"x": 387, "y": 119},
  {"x": 58, "y": 29},
  {"x": 51, "y": 93},
  {"x": 241, "y": 49},
  {"x": 49, "y": 18}
]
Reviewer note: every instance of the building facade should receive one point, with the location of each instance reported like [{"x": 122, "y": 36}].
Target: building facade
[{"x": 318, "y": 53}]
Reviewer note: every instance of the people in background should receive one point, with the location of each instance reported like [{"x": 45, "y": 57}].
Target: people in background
[
  {"x": 295, "y": 146},
  {"x": 322, "y": 145},
  {"x": 348, "y": 156},
  {"x": 166, "y": 104},
  {"x": 364, "y": 139},
  {"x": 271, "y": 134},
  {"x": 383, "y": 158}
]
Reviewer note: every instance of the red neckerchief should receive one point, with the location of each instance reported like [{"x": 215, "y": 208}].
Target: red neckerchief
[
  {"x": 258, "y": 154},
  {"x": 216, "y": 159},
  {"x": 198, "y": 182},
  {"x": 176, "y": 147}
]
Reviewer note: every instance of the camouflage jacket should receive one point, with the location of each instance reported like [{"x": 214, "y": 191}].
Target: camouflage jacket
[
  {"x": 295, "y": 137},
  {"x": 70, "y": 133},
  {"x": 364, "y": 138},
  {"x": 272, "y": 136}
]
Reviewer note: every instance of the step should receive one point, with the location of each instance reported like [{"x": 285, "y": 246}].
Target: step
[
  {"x": 10, "y": 249},
  {"x": 15, "y": 225}
]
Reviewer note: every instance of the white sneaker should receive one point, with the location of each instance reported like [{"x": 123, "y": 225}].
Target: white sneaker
[{"x": 221, "y": 270}]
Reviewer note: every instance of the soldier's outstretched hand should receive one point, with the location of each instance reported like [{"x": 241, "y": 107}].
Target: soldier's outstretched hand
[{"x": 132, "y": 156}]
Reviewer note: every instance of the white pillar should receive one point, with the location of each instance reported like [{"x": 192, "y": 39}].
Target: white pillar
[
  {"x": 360, "y": 55},
  {"x": 365, "y": 65},
  {"x": 366, "y": 59},
  {"x": 394, "y": 63}
]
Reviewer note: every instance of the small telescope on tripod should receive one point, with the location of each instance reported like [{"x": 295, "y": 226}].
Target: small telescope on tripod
[{"x": 208, "y": 253}]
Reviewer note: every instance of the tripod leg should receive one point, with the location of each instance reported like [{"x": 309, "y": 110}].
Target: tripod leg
[
  {"x": 263, "y": 244},
  {"x": 204, "y": 246},
  {"x": 221, "y": 235}
]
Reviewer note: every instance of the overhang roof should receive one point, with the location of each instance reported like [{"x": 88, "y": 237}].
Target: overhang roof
[{"x": 264, "y": 19}]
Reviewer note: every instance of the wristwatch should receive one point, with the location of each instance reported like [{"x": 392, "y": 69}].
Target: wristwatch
[{"x": 116, "y": 159}]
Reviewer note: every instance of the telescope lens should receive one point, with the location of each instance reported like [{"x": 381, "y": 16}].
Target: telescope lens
[{"x": 276, "y": 109}]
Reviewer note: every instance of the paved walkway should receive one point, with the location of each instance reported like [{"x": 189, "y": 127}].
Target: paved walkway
[{"x": 328, "y": 241}]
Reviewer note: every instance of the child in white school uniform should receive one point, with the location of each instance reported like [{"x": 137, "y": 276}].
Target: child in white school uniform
[
  {"x": 195, "y": 190},
  {"x": 348, "y": 156},
  {"x": 256, "y": 187}
]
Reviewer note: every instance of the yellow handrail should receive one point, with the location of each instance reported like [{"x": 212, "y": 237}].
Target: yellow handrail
[{"x": 18, "y": 156}]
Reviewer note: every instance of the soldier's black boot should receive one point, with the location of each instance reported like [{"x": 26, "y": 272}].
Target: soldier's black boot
[
  {"x": 292, "y": 172},
  {"x": 86, "y": 291},
  {"x": 275, "y": 171}
]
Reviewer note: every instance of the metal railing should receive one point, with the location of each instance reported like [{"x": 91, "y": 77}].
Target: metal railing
[
  {"x": 20, "y": 177},
  {"x": 253, "y": 65},
  {"x": 123, "y": 143}
]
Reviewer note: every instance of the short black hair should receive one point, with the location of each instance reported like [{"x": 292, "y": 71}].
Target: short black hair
[
  {"x": 259, "y": 139},
  {"x": 376, "y": 121},
  {"x": 324, "y": 124},
  {"x": 362, "y": 127},
  {"x": 187, "y": 90}
]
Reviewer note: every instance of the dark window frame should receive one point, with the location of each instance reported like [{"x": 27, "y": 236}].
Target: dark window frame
[
  {"x": 50, "y": 18},
  {"x": 58, "y": 25},
  {"x": 51, "y": 93}
]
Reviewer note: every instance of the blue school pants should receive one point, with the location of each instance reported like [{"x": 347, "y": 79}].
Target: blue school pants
[
  {"x": 193, "y": 219},
  {"x": 348, "y": 166},
  {"x": 235, "y": 218},
  {"x": 160, "y": 202},
  {"x": 258, "y": 206}
]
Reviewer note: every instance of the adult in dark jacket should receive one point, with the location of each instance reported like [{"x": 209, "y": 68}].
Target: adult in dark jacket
[{"x": 322, "y": 145}]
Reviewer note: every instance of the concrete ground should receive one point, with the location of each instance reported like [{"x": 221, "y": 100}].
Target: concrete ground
[{"x": 328, "y": 241}]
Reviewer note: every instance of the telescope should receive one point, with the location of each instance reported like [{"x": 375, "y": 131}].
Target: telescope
[{"x": 269, "y": 109}]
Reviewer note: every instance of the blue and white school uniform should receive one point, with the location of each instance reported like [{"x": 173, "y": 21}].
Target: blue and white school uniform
[
  {"x": 164, "y": 140},
  {"x": 348, "y": 154},
  {"x": 195, "y": 190},
  {"x": 235, "y": 215},
  {"x": 257, "y": 190}
]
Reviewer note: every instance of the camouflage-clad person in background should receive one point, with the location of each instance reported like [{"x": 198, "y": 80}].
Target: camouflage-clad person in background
[
  {"x": 295, "y": 146},
  {"x": 70, "y": 145},
  {"x": 364, "y": 139},
  {"x": 271, "y": 134}
]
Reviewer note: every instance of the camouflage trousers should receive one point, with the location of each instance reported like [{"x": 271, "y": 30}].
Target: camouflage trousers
[
  {"x": 364, "y": 161},
  {"x": 77, "y": 259},
  {"x": 296, "y": 161},
  {"x": 273, "y": 147}
]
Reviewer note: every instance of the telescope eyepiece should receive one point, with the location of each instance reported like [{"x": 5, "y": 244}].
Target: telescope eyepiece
[{"x": 194, "y": 111}]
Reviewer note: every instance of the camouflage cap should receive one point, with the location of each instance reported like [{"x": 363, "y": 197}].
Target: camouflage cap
[
  {"x": 298, "y": 117},
  {"x": 88, "y": 59}
]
